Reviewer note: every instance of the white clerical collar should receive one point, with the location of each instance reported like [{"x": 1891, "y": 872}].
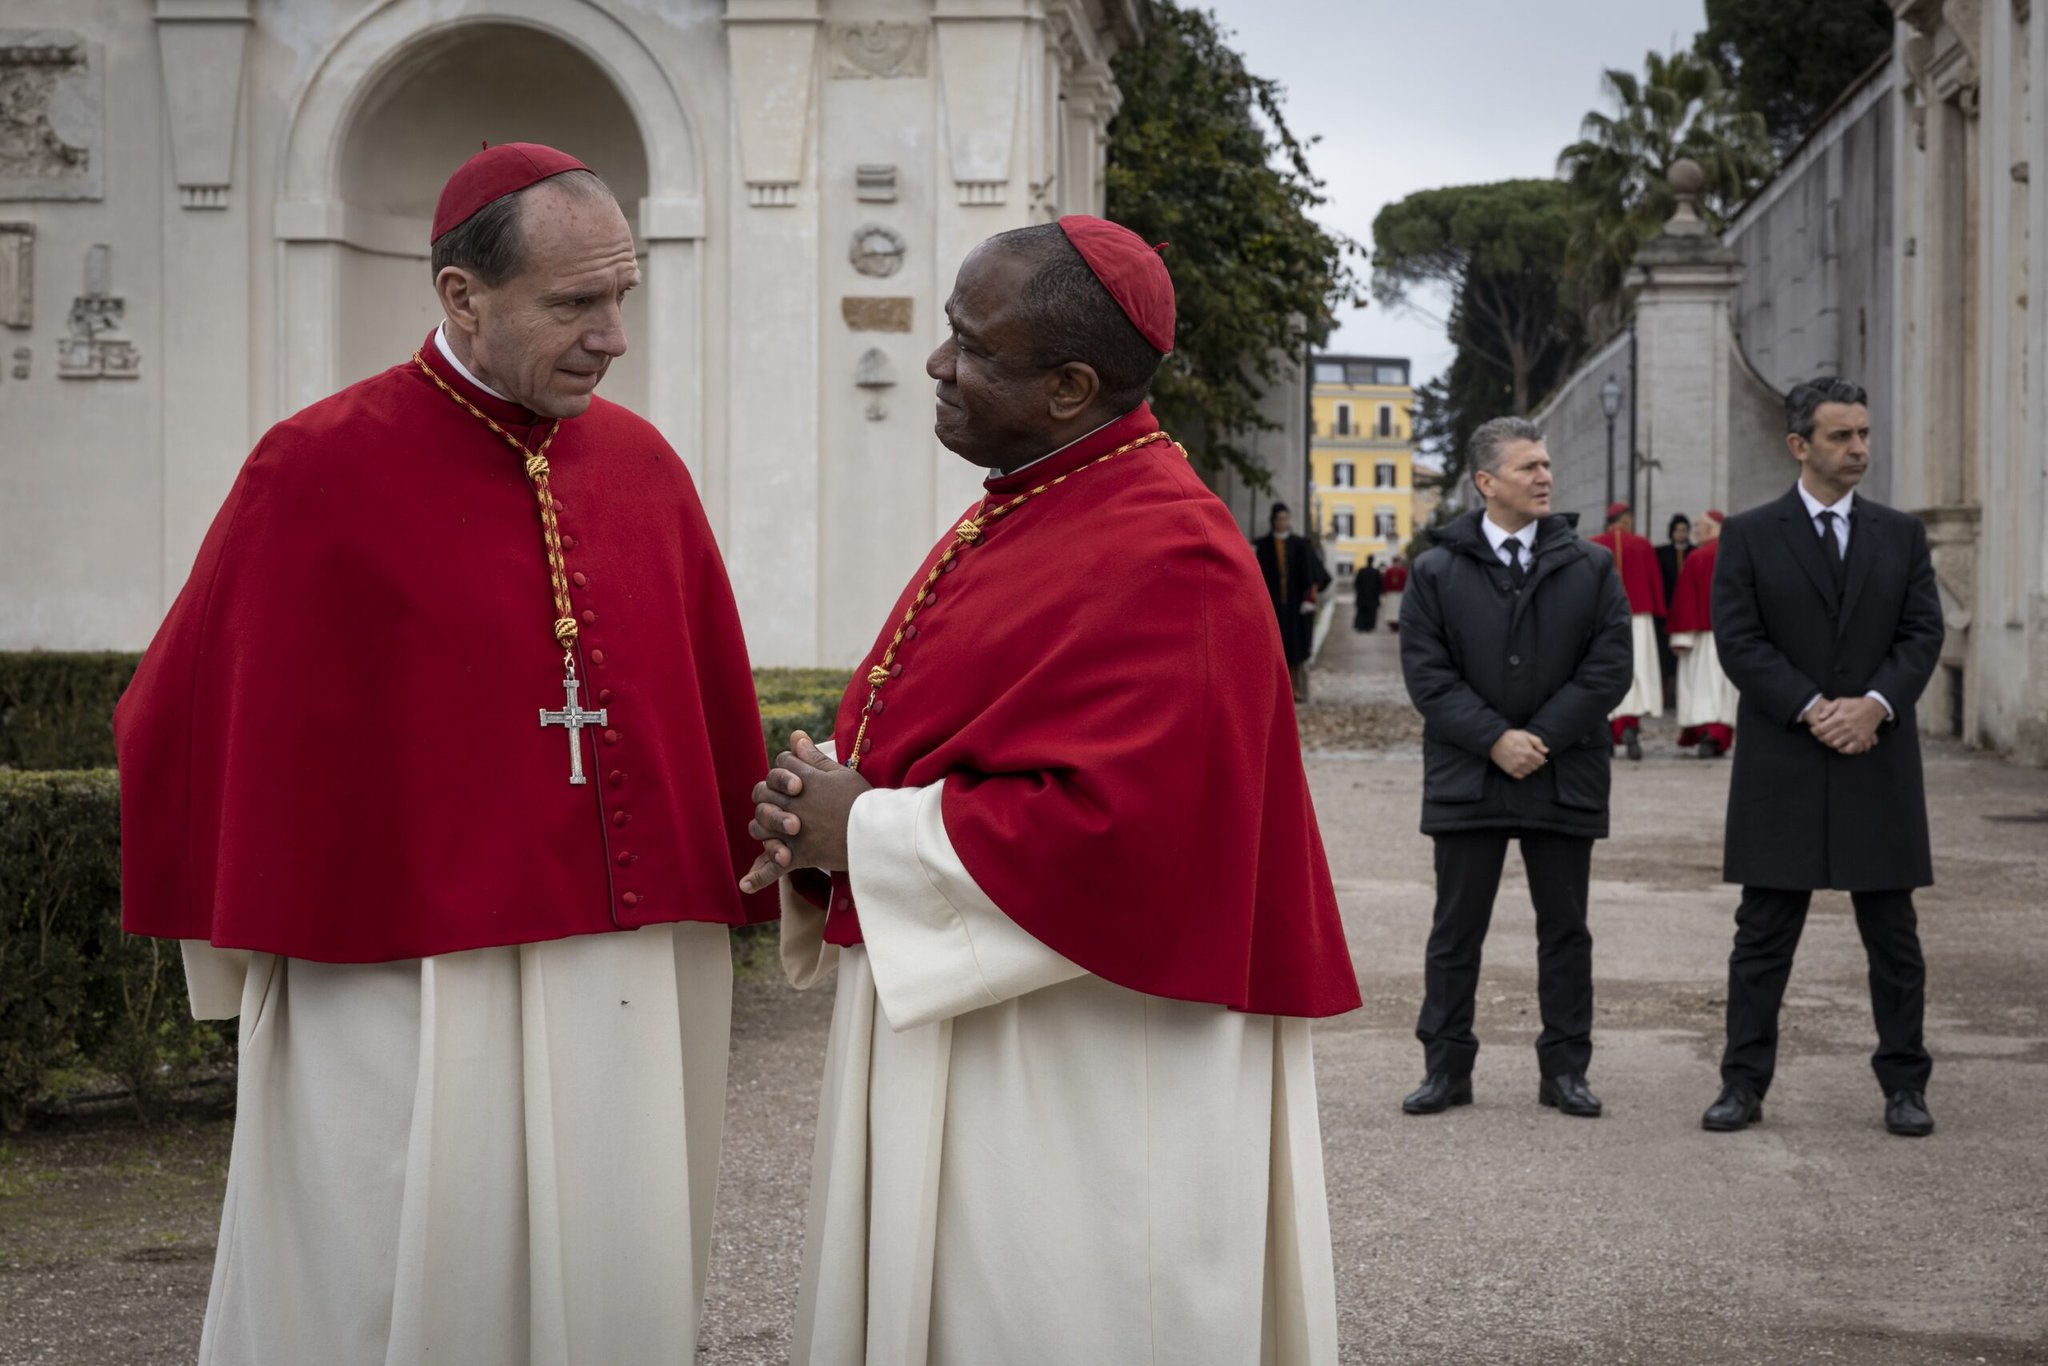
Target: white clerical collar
[
  {"x": 441, "y": 342},
  {"x": 1497, "y": 538},
  {"x": 1815, "y": 507},
  {"x": 1019, "y": 469}
]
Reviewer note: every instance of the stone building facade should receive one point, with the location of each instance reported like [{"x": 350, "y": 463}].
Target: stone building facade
[
  {"x": 1971, "y": 365},
  {"x": 213, "y": 212}
]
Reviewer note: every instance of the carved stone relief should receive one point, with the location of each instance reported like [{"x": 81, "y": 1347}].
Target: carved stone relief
[
  {"x": 95, "y": 349},
  {"x": 22, "y": 356},
  {"x": 880, "y": 51},
  {"x": 877, "y": 250},
  {"x": 875, "y": 184},
  {"x": 17, "y": 274},
  {"x": 50, "y": 129},
  {"x": 875, "y": 373},
  {"x": 871, "y": 314}
]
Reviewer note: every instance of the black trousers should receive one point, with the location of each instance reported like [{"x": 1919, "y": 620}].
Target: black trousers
[
  {"x": 1468, "y": 866},
  {"x": 1767, "y": 926}
]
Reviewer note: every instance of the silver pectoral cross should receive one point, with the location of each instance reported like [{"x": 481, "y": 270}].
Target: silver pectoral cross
[{"x": 574, "y": 719}]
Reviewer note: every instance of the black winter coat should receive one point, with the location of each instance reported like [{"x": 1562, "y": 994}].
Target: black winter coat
[
  {"x": 1800, "y": 815},
  {"x": 1481, "y": 657}
]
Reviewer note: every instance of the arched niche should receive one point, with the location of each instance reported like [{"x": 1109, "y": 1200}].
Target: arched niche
[
  {"x": 438, "y": 102},
  {"x": 397, "y": 101}
]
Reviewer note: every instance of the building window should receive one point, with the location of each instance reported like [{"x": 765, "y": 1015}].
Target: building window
[
  {"x": 1342, "y": 526},
  {"x": 1384, "y": 524},
  {"x": 1344, "y": 475},
  {"x": 1329, "y": 372},
  {"x": 1383, "y": 475},
  {"x": 1345, "y": 569},
  {"x": 1343, "y": 419},
  {"x": 1386, "y": 419},
  {"x": 1393, "y": 374}
]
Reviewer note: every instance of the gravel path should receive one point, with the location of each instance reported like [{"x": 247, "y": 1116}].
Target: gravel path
[{"x": 1499, "y": 1234}]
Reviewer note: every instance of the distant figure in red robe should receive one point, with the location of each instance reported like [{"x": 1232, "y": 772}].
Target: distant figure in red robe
[
  {"x": 1706, "y": 699},
  {"x": 1636, "y": 560},
  {"x": 1393, "y": 583},
  {"x": 440, "y": 766}
]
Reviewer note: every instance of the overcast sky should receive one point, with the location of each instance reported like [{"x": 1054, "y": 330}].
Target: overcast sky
[{"x": 1411, "y": 96}]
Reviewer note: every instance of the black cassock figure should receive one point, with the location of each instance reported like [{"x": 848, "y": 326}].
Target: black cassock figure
[{"x": 1294, "y": 575}]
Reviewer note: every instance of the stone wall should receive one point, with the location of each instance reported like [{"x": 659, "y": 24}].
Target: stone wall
[
  {"x": 1575, "y": 433},
  {"x": 1816, "y": 293},
  {"x": 803, "y": 178}
]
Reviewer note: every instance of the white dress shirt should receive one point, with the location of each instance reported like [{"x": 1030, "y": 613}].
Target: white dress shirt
[
  {"x": 1499, "y": 539},
  {"x": 1841, "y": 508}
]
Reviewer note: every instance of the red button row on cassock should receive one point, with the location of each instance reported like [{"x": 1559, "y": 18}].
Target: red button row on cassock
[{"x": 616, "y": 778}]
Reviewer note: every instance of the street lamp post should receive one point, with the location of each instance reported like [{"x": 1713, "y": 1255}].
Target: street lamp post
[{"x": 1610, "y": 404}]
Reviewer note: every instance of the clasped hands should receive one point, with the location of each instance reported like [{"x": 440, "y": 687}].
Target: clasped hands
[
  {"x": 1518, "y": 753},
  {"x": 1847, "y": 725},
  {"x": 801, "y": 810}
]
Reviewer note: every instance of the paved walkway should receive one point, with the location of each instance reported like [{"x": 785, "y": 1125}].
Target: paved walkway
[
  {"x": 1506, "y": 1233},
  {"x": 1502, "y": 1233}
]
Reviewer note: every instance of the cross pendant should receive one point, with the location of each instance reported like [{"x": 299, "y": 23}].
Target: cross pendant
[{"x": 573, "y": 718}]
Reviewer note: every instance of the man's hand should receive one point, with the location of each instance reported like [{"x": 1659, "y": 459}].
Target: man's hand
[
  {"x": 1518, "y": 753},
  {"x": 1847, "y": 725},
  {"x": 800, "y": 814}
]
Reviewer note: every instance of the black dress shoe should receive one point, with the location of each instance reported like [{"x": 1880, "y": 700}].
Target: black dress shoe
[
  {"x": 1633, "y": 738},
  {"x": 1569, "y": 1094},
  {"x": 1738, "y": 1108},
  {"x": 1905, "y": 1114},
  {"x": 1439, "y": 1092},
  {"x": 1710, "y": 749}
]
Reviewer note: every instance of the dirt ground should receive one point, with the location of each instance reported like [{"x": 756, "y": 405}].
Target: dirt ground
[{"x": 1499, "y": 1234}]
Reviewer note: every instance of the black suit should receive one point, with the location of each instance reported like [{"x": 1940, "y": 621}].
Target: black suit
[{"x": 1791, "y": 623}]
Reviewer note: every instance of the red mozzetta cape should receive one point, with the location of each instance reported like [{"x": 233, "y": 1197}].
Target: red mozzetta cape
[
  {"x": 1636, "y": 558},
  {"x": 1100, "y": 687},
  {"x": 1692, "y": 601},
  {"x": 1395, "y": 579},
  {"x": 333, "y": 750}
]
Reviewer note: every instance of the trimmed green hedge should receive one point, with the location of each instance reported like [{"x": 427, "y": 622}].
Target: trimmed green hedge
[
  {"x": 79, "y": 998},
  {"x": 57, "y": 709},
  {"x": 76, "y": 994}
]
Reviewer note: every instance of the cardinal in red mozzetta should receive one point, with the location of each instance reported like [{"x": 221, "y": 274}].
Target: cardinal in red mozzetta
[
  {"x": 1636, "y": 560},
  {"x": 1067, "y": 869},
  {"x": 440, "y": 766},
  {"x": 1706, "y": 698}
]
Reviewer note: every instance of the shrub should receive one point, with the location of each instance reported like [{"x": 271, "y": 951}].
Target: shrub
[
  {"x": 57, "y": 709},
  {"x": 75, "y": 992}
]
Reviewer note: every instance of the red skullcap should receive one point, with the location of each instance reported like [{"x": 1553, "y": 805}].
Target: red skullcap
[
  {"x": 1615, "y": 510},
  {"x": 1132, "y": 273},
  {"x": 492, "y": 174},
  {"x": 1716, "y": 515}
]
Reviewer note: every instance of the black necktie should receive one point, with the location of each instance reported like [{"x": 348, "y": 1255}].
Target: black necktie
[
  {"x": 1838, "y": 564},
  {"x": 1513, "y": 545}
]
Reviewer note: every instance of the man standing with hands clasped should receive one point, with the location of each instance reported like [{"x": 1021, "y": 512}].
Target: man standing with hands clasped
[
  {"x": 1516, "y": 643},
  {"x": 1828, "y": 622}
]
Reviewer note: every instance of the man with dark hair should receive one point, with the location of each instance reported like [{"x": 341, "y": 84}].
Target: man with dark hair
[
  {"x": 1671, "y": 558},
  {"x": 1514, "y": 645},
  {"x": 484, "y": 999},
  {"x": 1365, "y": 588},
  {"x": 1072, "y": 1017},
  {"x": 1828, "y": 621},
  {"x": 1635, "y": 560},
  {"x": 1294, "y": 575}
]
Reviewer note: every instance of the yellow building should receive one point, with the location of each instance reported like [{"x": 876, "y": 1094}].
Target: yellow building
[{"x": 1361, "y": 460}]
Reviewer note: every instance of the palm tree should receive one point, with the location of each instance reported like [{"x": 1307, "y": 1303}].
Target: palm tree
[{"x": 1615, "y": 172}]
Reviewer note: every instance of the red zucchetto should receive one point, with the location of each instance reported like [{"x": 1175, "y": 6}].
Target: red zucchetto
[
  {"x": 1616, "y": 511},
  {"x": 1131, "y": 271},
  {"x": 1716, "y": 516},
  {"x": 492, "y": 174}
]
